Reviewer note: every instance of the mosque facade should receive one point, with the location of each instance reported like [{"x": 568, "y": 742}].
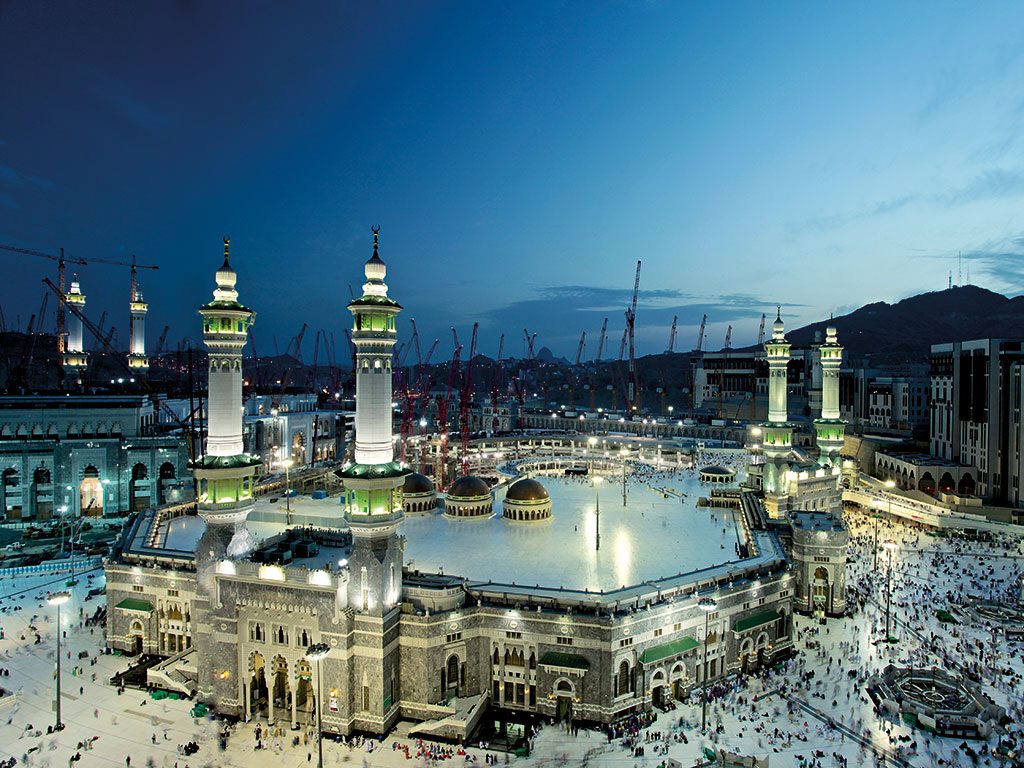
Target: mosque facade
[{"x": 433, "y": 648}]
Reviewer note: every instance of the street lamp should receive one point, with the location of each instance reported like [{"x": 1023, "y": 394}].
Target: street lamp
[
  {"x": 623, "y": 454},
  {"x": 58, "y": 599},
  {"x": 708, "y": 605},
  {"x": 287, "y": 464},
  {"x": 318, "y": 652},
  {"x": 890, "y": 484},
  {"x": 597, "y": 510},
  {"x": 890, "y": 547}
]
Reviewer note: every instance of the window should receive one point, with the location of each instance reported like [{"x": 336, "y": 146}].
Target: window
[
  {"x": 625, "y": 642},
  {"x": 677, "y": 626},
  {"x": 138, "y": 588},
  {"x": 514, "y": 635},
  {"x": 172, "y": 593},
  {"x": 453, "y": 637},
  {"x": 657, "y": 632},
  {"x": 565, "y": 641}
]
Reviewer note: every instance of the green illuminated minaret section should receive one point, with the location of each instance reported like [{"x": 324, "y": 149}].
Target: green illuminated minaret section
[
  {"x": 829, "y": 428},
  {"x": 777, "y": 432},
  {"x": 373, "y": 500},
  {"x": 225, "y": 473}
]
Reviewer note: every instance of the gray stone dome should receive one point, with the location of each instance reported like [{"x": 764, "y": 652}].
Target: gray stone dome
[
  {"x": 417, "y": 483},
  {"x": 526, "y": 489},
  {"x": 468, "y": 487}
]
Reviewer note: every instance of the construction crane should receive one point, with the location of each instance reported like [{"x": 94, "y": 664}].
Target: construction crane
[
  {"x": 632, "y": 386},
  {"x": 424, "y": 383},
  {"x": 580, "y": 346},
  {"x": 672, "y": 335},
  {"x": 163, "y": 340},
  {"x": 695, "y": 358},
  {"x": 727, "y": 349},
  {"x": 465, "y": 396},
  {"x": 443, "y": 404},
  {"x": 760, "y": 332},
  {"x": 495, "y": 372},
  {"x": 700, "y": 335},
  {"x": 601, "y": 339},
  {"x": 62, "y": 261}
]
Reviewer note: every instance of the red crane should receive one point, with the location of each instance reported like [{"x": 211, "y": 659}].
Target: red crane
[
  {"x": 632, "y": 386},
  {"x": 424, "y": 383},
  {"x": 465, "y": 396},
  {"x": 443, "y": 403}
]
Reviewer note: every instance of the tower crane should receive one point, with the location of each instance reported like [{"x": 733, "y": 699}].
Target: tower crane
[
  {"x": 727, "y": 349},
  {"x": 601, "y": 339},
  {"x": 695, "y": 358},
  {"x": 580, "y": 346},
  {"x": 62, "y": 261},
  {"x": 760, "y": 332},
  {"x": 700, "y": 335},
  {"x": 464, "y": 398},
  {"x": 672, "y": 335},
  {"x": 163, "y": 340},
  {"x": 632, "y": 386},
  {"x": 424, "y": 383}
]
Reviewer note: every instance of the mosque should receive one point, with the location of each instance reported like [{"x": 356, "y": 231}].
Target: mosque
[{"x": 460, "y": 657}]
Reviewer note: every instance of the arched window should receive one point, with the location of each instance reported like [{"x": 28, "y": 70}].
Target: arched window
[{"x": 623, "y": 686}]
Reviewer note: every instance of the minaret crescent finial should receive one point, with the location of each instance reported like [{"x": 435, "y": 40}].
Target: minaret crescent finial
[
  {"x": 778, "y": 311},
  {"x": 227, "y": 248},
  {"x": 376, "y": 231}
]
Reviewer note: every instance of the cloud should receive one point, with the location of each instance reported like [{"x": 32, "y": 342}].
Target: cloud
[
  {"x": 11, "y": 177},
  {"x": 1000, "y": 259},
  {"x": 991, "y": 184}
]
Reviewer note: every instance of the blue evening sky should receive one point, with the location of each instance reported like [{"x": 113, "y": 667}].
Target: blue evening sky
[{"x": 519, "y": 157}]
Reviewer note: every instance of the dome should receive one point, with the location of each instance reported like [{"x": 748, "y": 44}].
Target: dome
[
  {"x": 417, "y": 483},
  {"x": 526, "y": 489},
  {"x": 468, "y": 487}
]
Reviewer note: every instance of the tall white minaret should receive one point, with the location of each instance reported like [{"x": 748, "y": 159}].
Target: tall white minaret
[
  {"x": 137, "y": 344},
  {"x": 829, "y": 428},
  {"x": 225, "y": 473},
  {"x": 373, "y": 499},
  {"x": 75, "y": 357},
  {"x": 777, "y": 432}
]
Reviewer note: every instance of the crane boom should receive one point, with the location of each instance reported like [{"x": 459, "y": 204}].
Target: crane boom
[
  {"x": 464, "y": 397},
  {"x": 760, "y": 332},
  {"x": 601, "y": 339},
  {"x": 579, "y": 348},
  {"x": 633, "y": 384},
  {"x": 672, "y": 334},
  {"x": 700, "y": 333}
]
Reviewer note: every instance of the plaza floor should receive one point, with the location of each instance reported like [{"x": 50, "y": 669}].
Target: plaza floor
[{"x": 812, "y": 707}]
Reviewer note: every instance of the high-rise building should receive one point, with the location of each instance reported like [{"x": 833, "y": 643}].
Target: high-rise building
[{"x": 971, "y": 409}]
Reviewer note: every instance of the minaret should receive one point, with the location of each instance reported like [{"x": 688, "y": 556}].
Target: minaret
[
  {"x": 137, "y": 346},
  {"x": 75, "y": 357},
  {"x": 830, "y": 428},
  {"x": 225, "y": 474},
  {"x": 373, "y": 509},
  {"x": 777, "y": 431},
  {"x": 373, "y": 499}
]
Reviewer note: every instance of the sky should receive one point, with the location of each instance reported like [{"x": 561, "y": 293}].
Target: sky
[{"x": 519, "y": 158}]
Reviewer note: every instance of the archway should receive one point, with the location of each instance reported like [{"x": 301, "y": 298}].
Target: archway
[
  {"x": 658, "y": 688},
  {"x": 305, "y": 696},
  {"x": 137, "y": 634},
  {"x": 623, "y": 687},
  {"x": 451, "y": 682},
  {"x": 926, "y": 483},
  {"x": 167, "y": 474},
  {"x": 138, "y": 489},
  {"x": 282, "y": 689},
  {"x": 678, "y": 679},
  {"x": 746, "y": 650},
  {"x": 564, "y": 693},
  {"x": 966, "y": 486},
  {"x": 819, "y": 594},
  {"x": 42, "y": 491},
  {"x": 91, "y": 493},
  {"x": 258, "y": 694},
  {"x": 299, "y": 448},
  {"x": 12, "y": 494},
  {"x": 946, "y": 483}
]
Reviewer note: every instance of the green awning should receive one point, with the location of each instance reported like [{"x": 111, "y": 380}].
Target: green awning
[
  {"x": 133, "y": 604},
  {"x": 659, "y": 652},
  {"x": 749, "y": 622},
  {"x": 567, "y": 660}
]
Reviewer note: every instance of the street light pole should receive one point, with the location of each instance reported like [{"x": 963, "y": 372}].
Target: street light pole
[
  {"x": 706, "y": 604},
  {"x": 597, "y": 511},
  {"x": 318, "y": 652},
  {"x": 890, "y": 545},
  {"x": 890, "y": 484},
  {"x": 58, "y": 599}
]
